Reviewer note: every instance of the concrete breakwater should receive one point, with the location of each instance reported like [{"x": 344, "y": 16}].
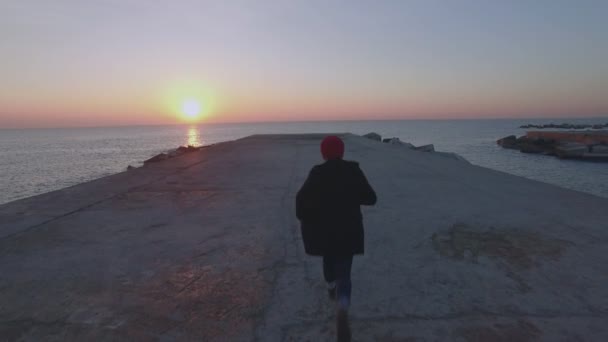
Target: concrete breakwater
[
  {"x": 205, "y": 247},
  {"x": 587, "y": 145}
]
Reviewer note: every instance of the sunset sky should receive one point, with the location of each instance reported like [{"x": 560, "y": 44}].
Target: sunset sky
[{"x": 125, "y": 62}]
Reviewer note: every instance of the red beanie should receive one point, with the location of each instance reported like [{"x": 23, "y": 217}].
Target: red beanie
[{"x": 332, "y": 147}]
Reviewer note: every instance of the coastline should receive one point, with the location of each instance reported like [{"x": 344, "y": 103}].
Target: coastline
[{"x": 45, "y": 160}]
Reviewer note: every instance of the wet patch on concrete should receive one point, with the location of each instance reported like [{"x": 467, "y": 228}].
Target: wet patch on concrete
[
  {"x": 519, "y": 249},
  {"x": 190, "y": 299}
]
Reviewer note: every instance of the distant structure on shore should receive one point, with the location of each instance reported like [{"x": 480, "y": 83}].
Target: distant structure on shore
[
  {"x": 565, "y": 126},
  {"x": 586, "y": 145}
]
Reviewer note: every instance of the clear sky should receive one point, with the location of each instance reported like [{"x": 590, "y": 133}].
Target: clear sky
[{"x": 118, "y": 62}]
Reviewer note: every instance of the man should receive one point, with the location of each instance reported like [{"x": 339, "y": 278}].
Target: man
[{"x": 328, "y": 206}]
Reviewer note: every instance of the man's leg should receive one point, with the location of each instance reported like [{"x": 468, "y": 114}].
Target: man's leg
[
  {"x": 343, "y": 265},
  {"x": 329, "y": 273}
]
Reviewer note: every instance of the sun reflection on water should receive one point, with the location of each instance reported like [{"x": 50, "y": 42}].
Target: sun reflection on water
[{"x": 194, "y": 136}]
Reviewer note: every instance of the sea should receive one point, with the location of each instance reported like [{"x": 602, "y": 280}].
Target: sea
[{"x": 35, "y": 161}]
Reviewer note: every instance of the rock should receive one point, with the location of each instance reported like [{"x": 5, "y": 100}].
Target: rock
[
  {"x": 175, "y": 153},
  {"x": 425, "y": 148},
  {"x": 373, "y": 136},
  {"x": 392, "y": 141},
  {"x": 530, "y": 145},
  {"x": 508, "y": 142},
  {"x": 131, "y": 167},
  {"x": 189, "y": 148},
  {"x": 183, "y": 149},
  {"x": 452, "y": 155},
  {"x": 157, "y": 158},
  {"x": 531, "y": 148},
  {"x": 397, "y": 141},
  {"x": 527, "y": 145}
]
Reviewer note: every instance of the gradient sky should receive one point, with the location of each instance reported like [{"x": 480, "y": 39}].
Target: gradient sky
[{"x": 118, "y": 62}]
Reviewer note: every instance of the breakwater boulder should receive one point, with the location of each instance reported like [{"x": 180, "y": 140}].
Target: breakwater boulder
[
  {"x": 452, "y": 155},
  {"x": 426, "y": 148},
  {"x": 599, "y": 149},
  {"x": 157, "y": 158},
  {"x": 528, "y": 145},
  {"x": 429, "y": 148},
  {"x": 571, "y": 150},
  {"x": 397, "y": 141},
  {"x": 373, "y": 136},
  {"x": 508, "y": 142},
  {"x": 542, "y": 146},
  {"x": 173, "y": 153}
]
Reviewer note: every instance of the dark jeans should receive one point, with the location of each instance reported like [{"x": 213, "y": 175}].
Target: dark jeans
[{"x": 337, "y": 268}]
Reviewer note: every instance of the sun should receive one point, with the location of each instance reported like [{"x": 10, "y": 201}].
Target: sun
[
  {"x": 188, "y": 102},
  {"x": 192, "y": 109}
]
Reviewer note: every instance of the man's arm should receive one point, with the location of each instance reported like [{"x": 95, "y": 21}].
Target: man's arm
[
  {"x": 367, "y": 195},
  {"x": 306, "y": 197}
]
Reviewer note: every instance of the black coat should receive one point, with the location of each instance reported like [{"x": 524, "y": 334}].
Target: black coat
[{"x": 328, "y": 206}]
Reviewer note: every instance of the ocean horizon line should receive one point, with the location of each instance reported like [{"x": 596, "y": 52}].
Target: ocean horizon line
[{"x": 214, "y": 123}]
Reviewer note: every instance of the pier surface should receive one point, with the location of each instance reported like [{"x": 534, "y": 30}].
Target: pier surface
[{"x": 205, "y": 247}]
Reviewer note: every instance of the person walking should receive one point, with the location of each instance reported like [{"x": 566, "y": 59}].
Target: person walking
[{"x": 329, "y": 208}]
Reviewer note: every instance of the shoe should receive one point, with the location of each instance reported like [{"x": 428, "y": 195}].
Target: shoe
[{"x": 342, "y": 326}]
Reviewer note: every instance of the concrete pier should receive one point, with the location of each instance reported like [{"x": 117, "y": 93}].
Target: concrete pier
[
  {"x": 205, "y": 247},
  {"x": 583, "y": 137}
]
